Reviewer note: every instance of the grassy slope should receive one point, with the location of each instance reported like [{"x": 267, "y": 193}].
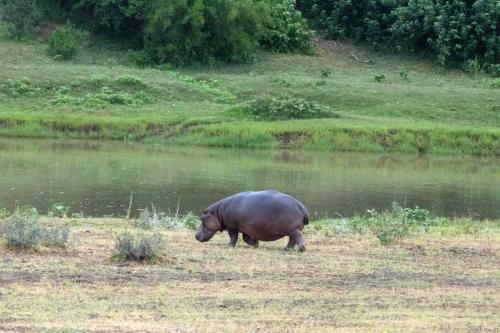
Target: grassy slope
[
  {"x": 434, "y": 282},
  {"x": 435, "y": 111}
]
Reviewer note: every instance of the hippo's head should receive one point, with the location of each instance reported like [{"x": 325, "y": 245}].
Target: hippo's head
[{"x": 210, "y": 224}]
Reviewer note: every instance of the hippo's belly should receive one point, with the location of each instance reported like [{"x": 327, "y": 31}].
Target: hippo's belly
[{"x": 261, "y": 233}]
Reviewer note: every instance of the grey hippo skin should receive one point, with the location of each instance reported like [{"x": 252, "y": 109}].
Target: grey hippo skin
[{"x": 259, "y": 216}]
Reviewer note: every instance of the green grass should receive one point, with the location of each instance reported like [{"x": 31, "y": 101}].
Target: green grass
[{"x": 100, "y": 94}]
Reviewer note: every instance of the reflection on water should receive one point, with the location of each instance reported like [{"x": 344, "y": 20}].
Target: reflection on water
[{"x": 97, "y": 178}]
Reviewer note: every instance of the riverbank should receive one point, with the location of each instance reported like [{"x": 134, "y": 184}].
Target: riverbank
[
  {"x": 391, "y": 103},
  {"x": 443, "y": 279}
]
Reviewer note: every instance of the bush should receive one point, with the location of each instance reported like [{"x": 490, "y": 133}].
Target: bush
[
  {"x": 4, "y": 213},
  {"x": 22, "y": 87},
  {"x": 123, "y": 20},
  {"x": 181, "y": 31},
  {"x": 453, "y": 31},
  {"x": 63, "y": 43},
  {"x": 181, "y": 222},
  {"x": 105, "y": 97},
  {"x": 27, "y": 211},
  {"x": 56, "y": 236},
  {"x": 283, "y": 108},
  {"x": 379, "y": 78},
  {"x": 58, "y": 210},
  {"x": 20, "y": 16},
  {"x": 495, "y": 83},
  {"x": 23, "y": 232},
  {"x": 150, "y": 218},
  {"x": 138, "y": 247},
  {"x": 287, "y": 30},
  {"x": 128, "y": 80},
  {"x": 185, "y": 31},
  {"x": 388, "y": 226}
]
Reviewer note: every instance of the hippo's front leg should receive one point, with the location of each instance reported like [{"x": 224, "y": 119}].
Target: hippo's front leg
[{"x": 233, "y": 237}]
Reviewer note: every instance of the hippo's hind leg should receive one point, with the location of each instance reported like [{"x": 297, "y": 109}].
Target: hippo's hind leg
[
  {"x": 291, "y": 243},
  {"x": 250, "y": 241},
  {"x": 233, "y": 237},
  {"x": 296, "y": 238}
]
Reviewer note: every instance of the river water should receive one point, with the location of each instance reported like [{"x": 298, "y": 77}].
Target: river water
[{"x": 97, "y": 178}]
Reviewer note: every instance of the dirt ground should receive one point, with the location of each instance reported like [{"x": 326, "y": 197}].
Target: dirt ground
[{"x": 427, "y": 283}]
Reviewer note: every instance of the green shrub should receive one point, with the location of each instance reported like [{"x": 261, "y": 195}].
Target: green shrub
[
  {"x": 404, "y": 74},
  {"x": 379, "y": 78},
  {"x": 17, "y": 88},
  {"x": 495, "y": 83},
  {"x": 63, "y": 43},
  {"x": 27, "y": 211},
  {"x": 150, "y": 218},
  {"x": 128, "y": 80},
  {"x": 124, "y": 20},
  {"x": 453, "y": 31},
  {"x": 4, "y": 213},
  {"x": 181, "y": 222},
  {"x": 283, "y": 108},
  {"x": 325, "y": 72},
  {"x": 140, "y": 58},
  {"x": 461, "y": 226},
  {"x": 105, "y": 97},
  {"x": 58, "y": 210},
  {"x": 388, "y": 226},
  {"x": 20, "y": 17},
  {"x": 23, "y": 232},
  {"x": 56, "y": 236},
  {"x": 138, "y": 247},
  {"x": 286, "y": 31},
  {"x": 181, "y": 31}
]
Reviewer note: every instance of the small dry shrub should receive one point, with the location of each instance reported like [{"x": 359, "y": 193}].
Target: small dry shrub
[{"x": 138, "y": 247}]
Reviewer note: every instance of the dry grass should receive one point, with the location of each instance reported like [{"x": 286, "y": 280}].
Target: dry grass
[{"x": 426, "y": 283}]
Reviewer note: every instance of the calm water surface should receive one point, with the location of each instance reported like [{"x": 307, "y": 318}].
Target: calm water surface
[{"x": 97, "y": 178}]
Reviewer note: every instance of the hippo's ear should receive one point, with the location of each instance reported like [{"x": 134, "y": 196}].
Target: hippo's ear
[{"x": 205, "y": 212}]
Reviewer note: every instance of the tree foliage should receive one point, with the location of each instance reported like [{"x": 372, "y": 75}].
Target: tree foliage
[
  {"x": 181, "y": 31},
  {"x": 454, "y": 31},
  {"x": 286, "y": 29},
  {"x": 20, "y": 17}
]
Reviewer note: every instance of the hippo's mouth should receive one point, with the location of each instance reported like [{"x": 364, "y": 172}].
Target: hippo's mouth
[{"x": 201, "y": 237}]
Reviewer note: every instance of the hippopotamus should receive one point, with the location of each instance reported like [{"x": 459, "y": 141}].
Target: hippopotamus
[{"x": 259, "y": 216}]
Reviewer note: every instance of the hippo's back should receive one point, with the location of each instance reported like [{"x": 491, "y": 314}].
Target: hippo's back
[{"x": 272, "y": 211}]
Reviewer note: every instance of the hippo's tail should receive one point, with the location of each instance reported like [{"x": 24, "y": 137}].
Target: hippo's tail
[{"x": 305, "y": 220}]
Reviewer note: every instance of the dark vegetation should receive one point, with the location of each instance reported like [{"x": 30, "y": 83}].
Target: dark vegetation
[
  {"x": 168, "y": 31},
  {"x": 454, "y": 32}
]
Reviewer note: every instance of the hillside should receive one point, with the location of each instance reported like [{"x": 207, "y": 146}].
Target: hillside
[{"x": 414, "y": 106}]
